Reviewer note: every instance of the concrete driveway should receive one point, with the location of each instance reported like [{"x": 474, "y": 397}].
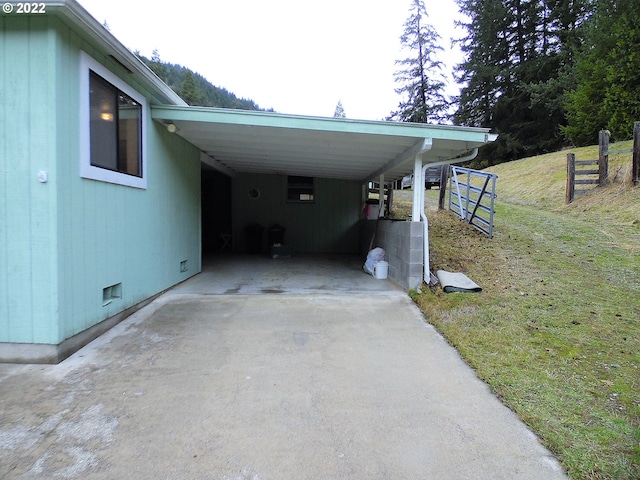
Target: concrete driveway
[{"x": 305, "y": 369}]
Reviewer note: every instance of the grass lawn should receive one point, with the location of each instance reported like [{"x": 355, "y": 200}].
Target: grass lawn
[{"x": 556, "y": 331}]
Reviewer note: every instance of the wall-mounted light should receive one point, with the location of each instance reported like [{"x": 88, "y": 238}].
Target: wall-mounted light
[{"x": 106, "y": 112}]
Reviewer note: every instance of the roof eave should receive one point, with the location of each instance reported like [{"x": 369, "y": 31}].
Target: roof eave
[
  {"x": 169, "y": 113},
  {"x": 444, "y": 142}
]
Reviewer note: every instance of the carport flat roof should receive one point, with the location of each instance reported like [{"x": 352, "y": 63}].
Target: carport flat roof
[{"x": 243, "y": 141}]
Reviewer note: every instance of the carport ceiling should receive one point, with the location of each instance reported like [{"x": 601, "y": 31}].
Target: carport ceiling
[{"x": 241, "y": 141}]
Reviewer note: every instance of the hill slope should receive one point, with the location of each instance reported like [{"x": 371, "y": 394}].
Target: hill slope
[
  {"x": 205, "y": 93},
  {"x": 555, "y": 332},
  {"x": 541, "y": 181}
]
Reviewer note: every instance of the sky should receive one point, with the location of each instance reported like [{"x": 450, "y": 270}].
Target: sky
[{"x": 295, "y": 56}]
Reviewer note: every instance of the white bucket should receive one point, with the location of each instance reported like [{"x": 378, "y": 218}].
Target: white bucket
[{"x": 381, "y": 270}]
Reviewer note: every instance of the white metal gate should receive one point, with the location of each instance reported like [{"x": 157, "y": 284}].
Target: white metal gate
[{"x": 471, "y": 197}]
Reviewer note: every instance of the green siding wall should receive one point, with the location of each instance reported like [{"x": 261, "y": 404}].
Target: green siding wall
[
  {"x": 27, "y": 207},
  {"x": 330, "y": 225},
  {"x": 69, "y": 238}
]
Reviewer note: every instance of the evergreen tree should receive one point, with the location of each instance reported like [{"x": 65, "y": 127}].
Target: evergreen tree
[
  {"x": 339, "y": 113},
  {"x": 420, "y": 76},
  {"x": 482, "y": 72},
  {"x": 607, "y": 93},
  {"x": 189, "y": 90},
  {"x": 204, "y": 93},
  {"x": 562, "y": 35},
  {"x": 518, "y": 65},
  {"x": 622, "y": 97},
  {"x": 157, "y": 66}
]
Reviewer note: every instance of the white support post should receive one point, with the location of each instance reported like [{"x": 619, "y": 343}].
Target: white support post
[
  {"x": 381, "y": 197},
  {"x": 418, "y": 181},
  {"x": 418, "y": 186}
]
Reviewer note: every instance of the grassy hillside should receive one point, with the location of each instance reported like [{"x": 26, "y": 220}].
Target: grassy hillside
[
  {"x": 541, "y": 181},
  {"x": 556, "y": 330}
]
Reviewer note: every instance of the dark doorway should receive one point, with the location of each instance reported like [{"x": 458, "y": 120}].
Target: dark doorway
[{"x": 216, "y": 212}]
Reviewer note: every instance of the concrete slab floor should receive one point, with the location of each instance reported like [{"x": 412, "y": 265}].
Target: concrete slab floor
[
  {"x": 345, "y": 384},
  {"x": 257, "y": 274}
]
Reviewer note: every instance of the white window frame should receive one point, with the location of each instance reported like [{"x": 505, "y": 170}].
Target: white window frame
[{"x": 87, "y": 170}]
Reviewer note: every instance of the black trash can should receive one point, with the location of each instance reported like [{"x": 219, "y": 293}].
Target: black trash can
[
  {"x": 253, "y": 234},
  {"x": 275, "y": 234}
]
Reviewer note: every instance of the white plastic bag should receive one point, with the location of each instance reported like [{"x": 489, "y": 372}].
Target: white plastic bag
[{"x": 374, "y": 256}]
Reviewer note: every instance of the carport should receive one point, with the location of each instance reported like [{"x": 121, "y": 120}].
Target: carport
[{"x": 263, "y": 145}]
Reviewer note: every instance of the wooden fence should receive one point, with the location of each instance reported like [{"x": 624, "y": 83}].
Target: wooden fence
[
  {"x": 596, "y": 172},
  {"x": 636, "y": 154}
]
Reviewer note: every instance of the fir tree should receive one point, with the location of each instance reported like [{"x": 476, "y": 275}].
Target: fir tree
[
  {"x": 206, "y": 94},
  {"x": 189, "y": 91},
  {"x": 157, "y": 66},
  {"x": 517, "y": 69},
  {"x": 420, "y": 76},
  {"x": 339, "y": 113},
  {"x": 607, "y": 93}
]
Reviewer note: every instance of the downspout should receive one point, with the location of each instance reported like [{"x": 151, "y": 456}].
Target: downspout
[
  {"x": 381, "y": 196},
  {"x": 423, "y": 217},
  {"x": 425, "y": 223}
]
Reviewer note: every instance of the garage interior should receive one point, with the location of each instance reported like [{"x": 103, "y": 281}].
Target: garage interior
[{"x": 308, "y": 177}]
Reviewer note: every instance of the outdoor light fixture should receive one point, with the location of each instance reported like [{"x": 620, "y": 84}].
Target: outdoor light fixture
[
  {"x": 171, "y": 128},
  {"x": 106, "y": 116}
]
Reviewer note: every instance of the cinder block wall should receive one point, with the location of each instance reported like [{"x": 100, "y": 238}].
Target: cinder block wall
[{"x": 403, "y": 242}]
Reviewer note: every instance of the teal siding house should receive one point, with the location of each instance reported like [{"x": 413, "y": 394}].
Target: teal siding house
[
  {"x": 78, "y": 247},
  {"x": 111, "y": 187}
]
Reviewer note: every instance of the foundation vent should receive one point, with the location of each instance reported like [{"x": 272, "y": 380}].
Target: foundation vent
[{"x": 109, "y": 294}]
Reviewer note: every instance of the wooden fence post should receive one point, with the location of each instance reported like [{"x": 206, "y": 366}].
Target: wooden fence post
[
  {"x": 636, "y": 153},
  {"x": 603, "y": 158},
  {"x": 444, "y": 180},
  {"x": 571, "y": 177}
]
